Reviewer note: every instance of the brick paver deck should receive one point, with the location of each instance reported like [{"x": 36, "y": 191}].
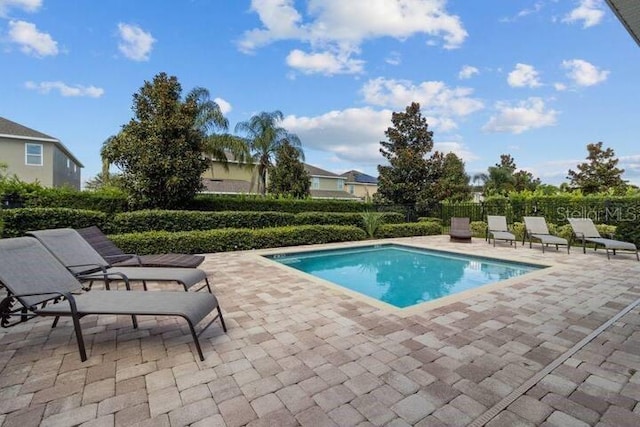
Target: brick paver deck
[{"x": 301, "y": 353}]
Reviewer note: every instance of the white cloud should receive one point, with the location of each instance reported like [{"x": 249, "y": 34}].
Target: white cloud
[
  {"x": 353, "y": 134},
  {"x": 329, "y": 25},
  {"x": 26, "y": 5},
  {"x": 524, "y": 116},
  {"x": 584, "y": 73},
  {"x": 393, "y": 58},
  {"x": 560, "y": 87},
  {"x": 457, "y": 148},
  {"x": 32, "y": 41},
  {"x": 436, "y": 98},
  {"x": 225, "y": 106},
  {"x": 523, "y": 75},
  {"x": 467, "y": 72},
  {"x": 64, "y": 89},
  {"x": 524, "y": 12},
  {"x": 135, "y": 43},
  {"x": 323, "y": 62},
  {"x": 590, "y": 12}
]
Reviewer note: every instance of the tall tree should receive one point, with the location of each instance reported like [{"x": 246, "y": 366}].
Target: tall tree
[
  {"x": 453, "y": 183},
  {"x": 409, "y": 141},
  {"x": 160, "y": 150},
  {"x": 288, "y": 177},
  {"x": 503, "y": 178},
  {"x": 264, "y": 136},
  {"x": 599, "y": 173}
]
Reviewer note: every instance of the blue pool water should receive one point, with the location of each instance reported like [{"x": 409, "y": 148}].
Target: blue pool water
[{"x": 400, "y": 275}]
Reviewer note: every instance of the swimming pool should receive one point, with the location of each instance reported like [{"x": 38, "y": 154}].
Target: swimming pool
[{"x": 401, "y": 275}]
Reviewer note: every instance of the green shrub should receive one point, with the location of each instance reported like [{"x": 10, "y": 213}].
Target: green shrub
[
  {"x": 228, "y": 239},
  {"x": 18, "y": 221},
  {"x": 345, "y": 218},
  {"x": 209, "y": 202},
  {"x": 478, "y": 229},
  {"x": 629, "y": 231},
  {"x": 408, "y": 229},
  {"x": 166, "y": 220},
  {"x": 104, "y": 201},
  {"x": 430, "y": 219}
]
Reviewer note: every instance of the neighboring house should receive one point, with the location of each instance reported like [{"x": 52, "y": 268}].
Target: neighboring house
[
  {"x": 238, "y": 177},
  {"x": 327, "y": 185},
  {"x": 360, "y": 184},
  {"x": 35, "y": 156},
  {"x": 234, "y": 179}
]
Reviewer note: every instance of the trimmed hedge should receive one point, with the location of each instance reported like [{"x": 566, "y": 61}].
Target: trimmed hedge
[
  {"x": 18, "y": 221},
  {"x": 344, "y": 218},
  {"x": 408, "y": 229},
  {"x": 230, "y": 239},
  {"x": 206, "y": 202},
  {"x": 165, "y": 220}
]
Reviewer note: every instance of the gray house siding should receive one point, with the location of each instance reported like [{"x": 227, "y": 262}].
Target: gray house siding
[{"x": 65, "y": 170}]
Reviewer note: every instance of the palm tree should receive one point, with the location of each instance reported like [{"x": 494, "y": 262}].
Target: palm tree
[
  {"x": 211, "y": 119},
  {"x": 264, "y": 136}
]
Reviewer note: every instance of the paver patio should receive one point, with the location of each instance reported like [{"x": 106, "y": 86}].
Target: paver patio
[{"x": 302, "y": 353}]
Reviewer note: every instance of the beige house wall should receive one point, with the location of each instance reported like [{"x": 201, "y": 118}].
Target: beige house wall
[
  {"x": 363, "y": 191},
  {"x": 326, "y": 183},
  {"x": 12, "y": 152},
  {"x": 236, "y": 171}
]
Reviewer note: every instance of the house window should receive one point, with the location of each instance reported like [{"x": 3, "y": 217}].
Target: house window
[
  {"x": 340, "y": 185},
  {"x": 351, "y": 189},
  {"x": 68, "y": 163},
  {"x": 315, "y": 183},
  {"x": 33, "y": 154}
]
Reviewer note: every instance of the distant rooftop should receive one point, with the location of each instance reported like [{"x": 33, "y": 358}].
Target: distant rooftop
[
  {"x": 359, "y": 177},
  {"x": 315, "y": 171},
  {"x": 628, "y": 12}
]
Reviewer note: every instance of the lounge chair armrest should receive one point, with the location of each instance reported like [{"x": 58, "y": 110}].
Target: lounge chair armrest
[
  {"x": 54, "y": 294},
  {"x": 92, "y": 268},
  {"x": 105, "y": 276},
  {"x": 136, "y": 256}
]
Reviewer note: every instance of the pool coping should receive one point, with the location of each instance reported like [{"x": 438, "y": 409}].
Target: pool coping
[{"x": 260, "y": 256}]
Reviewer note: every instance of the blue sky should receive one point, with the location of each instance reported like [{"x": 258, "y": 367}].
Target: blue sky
[{"x": 536, "y": 79}]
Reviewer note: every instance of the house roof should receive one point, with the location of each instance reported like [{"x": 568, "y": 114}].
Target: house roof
[
  {"x": 628, "y": 12},
  {"x": 316, "y": 171},
  {"x": 359, "y": 177},
  {"x": 13, "y": 130},
  {"x": 226, "y": 186}
]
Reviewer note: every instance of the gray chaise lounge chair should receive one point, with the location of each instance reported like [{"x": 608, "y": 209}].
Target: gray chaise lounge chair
[
  {"x": 498, "y": 230},
  {"x": 584, "y": 230},
  {"x": 38, "y": 285},
  {"x": 536, "y": 228},
  {"x": 460, "y": 230},
  {"x": 117, "y": 258},
  {"x": 87, "y": 265}
]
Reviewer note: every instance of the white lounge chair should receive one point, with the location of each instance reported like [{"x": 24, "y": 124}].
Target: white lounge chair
[
  {"x": 536, "y": 228},
  {"x": 585, "y": 231},
  {"x": 498, "y": 230}
]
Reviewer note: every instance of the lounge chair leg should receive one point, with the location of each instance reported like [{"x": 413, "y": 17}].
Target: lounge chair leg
[
  {"x": 79, "y": 338},
  {"x": 206, "y": 280},
  {"x": 134, "y": 320},
  {"x": 144, "y": 285},
  {"x": 224, "y": 326},
  {"x": 608, "y": 257},
  {"x": 55, "y": 322},
  {"x": 196, "y": 342}
]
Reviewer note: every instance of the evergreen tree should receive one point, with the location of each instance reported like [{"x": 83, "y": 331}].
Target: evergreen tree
[
  {"x": 409, "y": 141},
  {"x": 288, "y": 177},
  {"x": 160, "y": 150},
  {"x": 599, "y": 173}
]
